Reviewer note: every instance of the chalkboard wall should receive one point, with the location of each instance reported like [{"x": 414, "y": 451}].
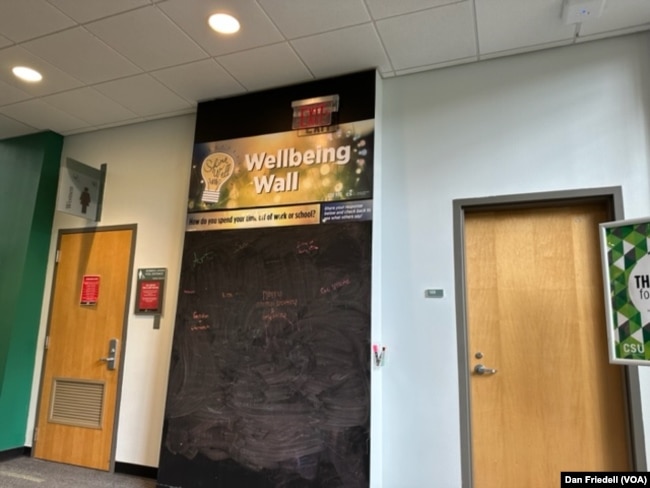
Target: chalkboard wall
[
  {"x": 270, "y": 374},
  {"x": 269, "y": 384}
]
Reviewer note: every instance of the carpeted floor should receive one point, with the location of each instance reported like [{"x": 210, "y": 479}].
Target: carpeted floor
[{"x": 27, "y": 472}]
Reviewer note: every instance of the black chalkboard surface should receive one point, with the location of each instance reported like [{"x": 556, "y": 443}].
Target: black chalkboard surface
[{"x": 270, "y": 376}]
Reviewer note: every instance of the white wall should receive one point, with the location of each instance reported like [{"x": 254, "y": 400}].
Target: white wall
[
  {"x": 566, "y": 118},
  {"x": 147, "y": 184}
]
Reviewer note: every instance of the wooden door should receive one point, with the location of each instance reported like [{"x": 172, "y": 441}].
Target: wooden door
[
  {"x": 536, "y": 316},
  {"x": 77, "y": 405}
]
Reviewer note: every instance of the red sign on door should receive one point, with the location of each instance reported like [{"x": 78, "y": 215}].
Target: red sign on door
[{"x": 89, "y": 290}]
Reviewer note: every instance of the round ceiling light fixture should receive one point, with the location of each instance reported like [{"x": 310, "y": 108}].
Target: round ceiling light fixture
[
  {"x": 27, "y": 74},
  {"x": 224, "y": 23}
]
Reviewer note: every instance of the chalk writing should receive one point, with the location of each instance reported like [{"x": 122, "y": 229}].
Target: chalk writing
[
  {"x": 335, "y": 286},
  {"x": 199, "y": 327},
  {"x": 200, "y": 260},
  {"x": 270, "y": 374},
  {"x": 307, "y": 247}
]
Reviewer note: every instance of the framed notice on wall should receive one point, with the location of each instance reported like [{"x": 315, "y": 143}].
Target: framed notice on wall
[
  {"x": 626, "y": 276},
  {"x": 149, "y": 291}
]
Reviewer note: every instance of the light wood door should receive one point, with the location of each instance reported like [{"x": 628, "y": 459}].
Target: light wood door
[
  {"x": 536, "y": 315},
  {"x": 76, "y": 417}
]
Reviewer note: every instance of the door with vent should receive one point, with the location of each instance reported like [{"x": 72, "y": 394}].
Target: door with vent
[{"x": 83, "y": 358}]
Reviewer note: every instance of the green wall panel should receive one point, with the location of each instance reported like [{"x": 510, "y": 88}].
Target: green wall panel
[{"x": 29, "y": 169}]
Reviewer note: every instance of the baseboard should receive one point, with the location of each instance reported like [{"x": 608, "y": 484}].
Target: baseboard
[
  {"x": 13, "y": 453},
  {"x": 123, "y": 468},
  {"x": 136, "y": 470}
]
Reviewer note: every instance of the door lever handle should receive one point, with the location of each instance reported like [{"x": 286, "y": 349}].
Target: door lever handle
[
  {"x": 480, "y": 369},
  {"x": 112, "y": 354}
]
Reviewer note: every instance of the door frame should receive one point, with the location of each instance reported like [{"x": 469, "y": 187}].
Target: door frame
[
  {"x": 612, "y": 195},
  {"x": 122, "y": 349}
]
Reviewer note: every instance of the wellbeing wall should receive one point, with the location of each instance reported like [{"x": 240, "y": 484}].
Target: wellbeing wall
[{"x": 269, "y": 382}]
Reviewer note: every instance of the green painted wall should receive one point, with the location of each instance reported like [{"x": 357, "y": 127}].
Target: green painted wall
[{"x": 29, "y": 171}]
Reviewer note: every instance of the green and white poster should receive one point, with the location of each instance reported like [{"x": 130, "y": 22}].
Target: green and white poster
[{"x": 626, "y": 269}]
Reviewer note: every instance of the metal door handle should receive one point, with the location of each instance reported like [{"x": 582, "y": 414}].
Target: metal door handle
[
  {"x": 480, "y": 369},
  {"x": 112, "y": 353}
]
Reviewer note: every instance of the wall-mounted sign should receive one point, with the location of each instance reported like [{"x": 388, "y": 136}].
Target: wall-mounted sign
[
  {"x": 626, "y": 273},
  {"x": 89, "y": 290},
  {"x": 314, "y": 112},
  {"x": 281, "y": 169},
  {"x": 81, "y": 190},
  {"x": 150, "y": 290}
]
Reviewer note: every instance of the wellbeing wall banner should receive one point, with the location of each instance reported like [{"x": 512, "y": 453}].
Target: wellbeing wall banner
[
  {"x": 269, "y": 384},
  {"x": 626, "y": 270},
  {"x": 327, "y": 176}
]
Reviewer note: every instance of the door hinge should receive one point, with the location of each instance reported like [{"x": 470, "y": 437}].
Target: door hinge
[
  {"x": 58, "y": 255},
  {"x": 35, "y": 434},
  {"x": 47, "y": 342}
]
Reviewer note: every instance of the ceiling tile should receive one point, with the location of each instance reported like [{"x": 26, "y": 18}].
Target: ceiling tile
[
  {"x": 617, "y": 15},
  {"x": 148, "y": 38},
  {"x": 256, "y": 28},
  {"x": 143, "y": 95},
  {"x": 88, "y": 10},
  {"x": 298, "y": 18},
  {"x": 342, "y": 51},
  {"x": 438, "y": 35},
  {"x": 26, "y": 19},
  {"x": 278, "y": 63},
  {"x": 526, "y": 49},
  {"x": 512, "y": 24},
  {"x": 43, "y": 116},
  {"x": 610, "y": 34},
  {"x": 173, "y": 113},
  {"x": 91, "y": 106},
  {"x": 419, "y": 69},
  {"x": 10, "y": 94},
  {"x": 4, "y": 42},
  {"x": 388, "y": 8},
  {"x": 116, "y": 124},
  {"x": 199, "y": 81},
  {"x": 54, "y": 79},
  {"x": 135, "y": 60},
  {"x": 13, "y": 128},
  {"x": 82, "y": 55}
]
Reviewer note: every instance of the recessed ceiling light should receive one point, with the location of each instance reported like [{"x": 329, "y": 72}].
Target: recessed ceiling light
[
  {"x": 27, "y": 74},
  {"x": 224, "y": 23}
]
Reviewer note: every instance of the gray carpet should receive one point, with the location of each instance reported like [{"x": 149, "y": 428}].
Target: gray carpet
[{"x": 27, "y": 472}]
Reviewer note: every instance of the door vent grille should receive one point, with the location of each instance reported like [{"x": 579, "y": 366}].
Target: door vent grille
[{"x": 77, "y": 402}]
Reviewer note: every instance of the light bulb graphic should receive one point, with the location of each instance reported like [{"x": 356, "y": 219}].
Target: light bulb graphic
[{"x": 216, "y": 169}]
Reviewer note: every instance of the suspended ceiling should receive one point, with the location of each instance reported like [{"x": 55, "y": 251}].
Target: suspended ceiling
[{"x": 114, "y": 62}]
